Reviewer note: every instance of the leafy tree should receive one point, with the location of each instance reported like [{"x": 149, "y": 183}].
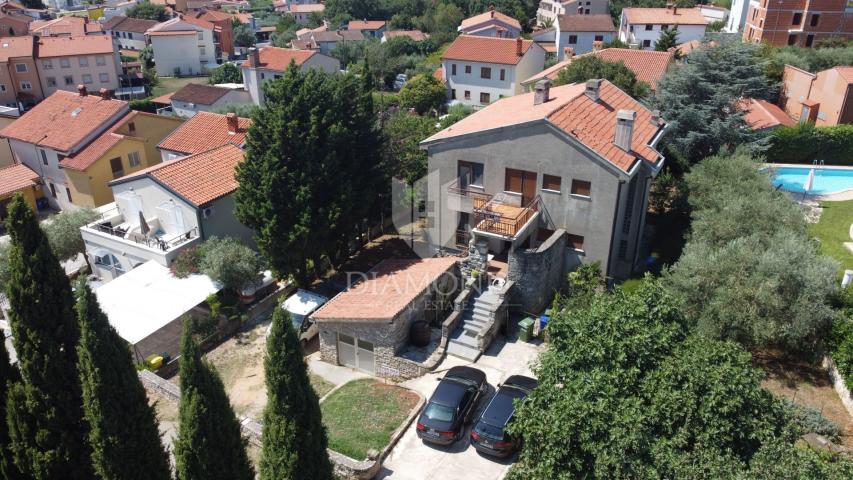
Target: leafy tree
[
  {"x": 226, "y": 73},
  {"x": 229, "y": 261},
  {"x": 36, "y": 4},
  {"x": 311, "y": 172},
  {"x": 8, "y": 375},
  {"x": 294, "y": 439},
  {"x": 424, "y": 93},
  {"x": 402, "y": 155},
  {"x": 148, "y": 11},
  {"x": 348, "y": 53},
  {"x": 209, "y": 444},
  {"x": 716, "y": 26},
  {"x": 591, "y": 66},
  {"x": 315, "y": 19},
  {"x": 454, "y": 114},
  {"x": 668, "y": 39},
  {"x": 244, "y": 36},
  {"x": 142, "y": 105},
  {"x": 48, "y": 436},
  {"x": 63, "y": 232},
  {"x": 245, "y": 110},
  {"x": 123, "y": 429}
]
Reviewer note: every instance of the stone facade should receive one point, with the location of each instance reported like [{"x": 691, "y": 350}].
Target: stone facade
[{"x": 537, "y": 273}]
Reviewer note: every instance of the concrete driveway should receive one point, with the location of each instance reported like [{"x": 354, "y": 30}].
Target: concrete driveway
[{"x": 412, "y": 459}]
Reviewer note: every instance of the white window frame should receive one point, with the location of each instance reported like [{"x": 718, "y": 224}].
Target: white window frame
[
  {"x": 83, "y": 61},
  {"x": 133, "y": 159},
  {"x": 26, "y": 85},
  {"x": 18, "y": 68},
  {"x": 47, "y": 64},
  {"x": 100, "y": 61},
  {"x": 64, "y": 63}
]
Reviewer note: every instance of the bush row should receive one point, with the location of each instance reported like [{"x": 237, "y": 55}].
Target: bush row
[{"x": 805, "y": 143}]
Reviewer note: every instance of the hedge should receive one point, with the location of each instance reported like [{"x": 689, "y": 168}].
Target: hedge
[{"x": 806, "y": 143}]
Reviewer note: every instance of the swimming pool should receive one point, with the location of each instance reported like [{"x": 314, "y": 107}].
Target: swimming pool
[{"x": 826, "y": 180}]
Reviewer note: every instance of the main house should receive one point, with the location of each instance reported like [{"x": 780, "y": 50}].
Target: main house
[
  {"x": 545, "y": 181},
  {"x": 823, "y": 98},
  {"x": 164, "y": 209},
  {"x": 581, "y": 32},
  {"x": 183, "y": 46},
  {"x": 128, "y": 32},
  {"x": 368, "y": 28},
  {"x": 480, "y": 70},
  {"x": 269, "y": 63},
  {"x": 642, "y": 27}
]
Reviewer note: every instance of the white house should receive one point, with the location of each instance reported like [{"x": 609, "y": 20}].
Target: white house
[
  {"x": 641, "y": 27},
  {"x": 301, "y": 12},
  {"x": 196, "y": 97},
  {"x": 183, "y": 46},
  {"x": 491, "y": 24},
  {"x": 269, "y": 63},
  {"x": 713, "y": 13},
  {"x": 550, "y": 9},
  {"x": 578, "y": 32},
  {"x": 129, "y": 33},
  {"x": 480, "y": 70},
  {"x": 737, "y": 16}
]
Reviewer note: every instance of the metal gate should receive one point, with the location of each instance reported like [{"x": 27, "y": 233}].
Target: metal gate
[{"x": 356, "y": 353}]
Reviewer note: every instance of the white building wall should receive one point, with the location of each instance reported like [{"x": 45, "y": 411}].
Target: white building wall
[
  {"x": 254, "y": 78},
  {"x": 582, "y": 45},
  {"x": 185, "y": 52},
  {"x": 54, "y": 76},
  {"x": 50, "y": 173},
  {"x": 129, "y": 40},
  {"x": 532, "y": 62},
  {"x": 549, "y": 9},
  {"x": 188, "y": 109},
  {"x": 737, "y": 16},
  {"x": 686, "y": 33}
]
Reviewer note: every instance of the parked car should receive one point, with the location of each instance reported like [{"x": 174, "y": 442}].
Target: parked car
[
  {"x": 489, "y": 433},
  {"x": 300, "y": 306},
  {"x": 451, "y": 405},
  {"x": 401, "y": 80}
]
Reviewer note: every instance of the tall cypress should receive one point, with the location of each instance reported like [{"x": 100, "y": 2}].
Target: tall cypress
[
  {"x": 48, "y": 435},
  {"x": 123, "y": 428},
  {"x": 8, "y": 374},
  {"x": 209, "y": 444},
  {"x": 294, "y": 439}
]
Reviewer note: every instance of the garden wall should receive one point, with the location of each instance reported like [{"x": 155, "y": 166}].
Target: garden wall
[
  {"x": 839, "y": 384},
  {"x": 538, "y": 272}
]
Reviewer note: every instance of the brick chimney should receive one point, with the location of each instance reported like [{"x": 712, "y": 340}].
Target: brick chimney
[
  {"x": 233, "y": 123},
  {"x": 518, "y": 45},
  {"x": 81, "y": 89},
  {"x": 592, "y": 89},
  {"x": 669, "y": 5},
  {"x": 568, "y": 52},
  {"x": 624, "y": 129},
  {"x": 492, "y": 10},
  {"x": 105, "y": 93},
  {"x": 255, "y": 55},
  {"x": 675, "y": 9},
  {"x": 542, "y": 92}
]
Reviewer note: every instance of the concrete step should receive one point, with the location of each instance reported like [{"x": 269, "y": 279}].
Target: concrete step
[
  {"x": 462, "y": 351},
  {"x": 460, "y": 336},
  {"x": 482, "y": 310},
  {"x": 476, "y": 321}
]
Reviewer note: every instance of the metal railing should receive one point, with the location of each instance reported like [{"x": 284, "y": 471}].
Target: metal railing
[
  {"x": 479, "y": 198},
  {"x": 103, "y": 225},
  {"x": 506, "y": 225}
]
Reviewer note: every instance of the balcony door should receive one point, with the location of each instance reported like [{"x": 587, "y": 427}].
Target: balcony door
[
  {"x": 523, "y": 182},
  {"x": 470, "y": 174}
]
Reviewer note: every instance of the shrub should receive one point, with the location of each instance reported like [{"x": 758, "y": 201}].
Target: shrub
[
  {"x": 805, "y": 143},
  {"x": 145, "y": 105},
  {"x": 809, "y": 420},
  {"x": 229, "y": 261},
  {"x": 841, "y": 346},
  {"x": 423, "y": 93},
  {"x": 186, "y": 263}
]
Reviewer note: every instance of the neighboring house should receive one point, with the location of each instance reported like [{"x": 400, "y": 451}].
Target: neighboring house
[
  {"x": 713, "y": 13},
  {"x": 797, "y": 22},
  {"x": 491, "y": 24},
  {"x": 550, "y": 9},
  {"x": 368, "y": 28},
  {"x": 648, "y": 65},
  {"x": 120, "y": 8},
  {"x": 763, "y": 115},
  {"x": 224, "y": 34},
  {"x": 737, "y": 16},
  {"x": 18, "y": 178},
  {"x": 128, "y": 146},
  {"x": 129, "y": 33},
  {"x": 641, "y": 27},
  {"x": 60, "y": 126},
  {"x": 301, "y": 13},
  {"x": 19, "y": 80},
  {"x": 203, "y": 132},
  {"x": 64, "y": 4},
  {"x": 548, "y": 180},
  {"x": 265, "y": 64},
  {"x": 414, "y": 35},
  {"x": 578, "y": 32},
  {"x": 196, "y": 97},
  {"x": 183, "y": 46},
  {"x": 181, "y": 203},
  {"x": 325, "y": 40},
  {"x": 68, "y": 26},
  {"x": 8, "y": 115},
  {"x": 65, "y": 62},
  {"x": 480, "y": 70},
  {"x": 13, "y": 24},
  {"x": 823, "y": 98}
]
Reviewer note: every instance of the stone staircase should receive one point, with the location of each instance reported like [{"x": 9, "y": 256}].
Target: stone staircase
[{"x": 477, "y": 319}]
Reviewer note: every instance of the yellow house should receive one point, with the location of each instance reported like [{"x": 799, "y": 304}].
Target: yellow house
[
  {"x": 130, "y": 145},
  {"x": 14, "y": 179}
]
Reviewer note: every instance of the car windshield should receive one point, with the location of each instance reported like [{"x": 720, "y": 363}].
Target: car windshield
[
  {"x": 297, "y": 320},
  {"x": 438, "y": 412},
  {"x": 490, "y": 431}
]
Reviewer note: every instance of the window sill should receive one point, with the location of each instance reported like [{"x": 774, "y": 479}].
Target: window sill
[
  {"x": 548, "y": 190},
  {"x": 581, "y": 197},
  {"x": 579, "y": 252}
]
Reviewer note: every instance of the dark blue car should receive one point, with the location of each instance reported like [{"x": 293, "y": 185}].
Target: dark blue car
[
  {"x": 451, "y": 405},
  {"x": 489, "y": 433}
]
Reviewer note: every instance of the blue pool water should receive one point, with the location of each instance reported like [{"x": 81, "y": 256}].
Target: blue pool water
[{"x": 826, "y": 180}]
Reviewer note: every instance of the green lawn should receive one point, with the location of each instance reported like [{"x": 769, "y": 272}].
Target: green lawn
[
  {"x": 173, "y": 84},
  {"x": 362, "y": 415},
  {"x": 321, "y": 387},
  {"x": 833, "y": 230}
]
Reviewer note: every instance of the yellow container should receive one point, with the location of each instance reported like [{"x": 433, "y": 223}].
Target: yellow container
[{"x": 154, "y": 361}]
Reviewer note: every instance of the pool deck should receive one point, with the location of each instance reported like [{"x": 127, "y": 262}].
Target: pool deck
[{"x": 829, "y": 197}]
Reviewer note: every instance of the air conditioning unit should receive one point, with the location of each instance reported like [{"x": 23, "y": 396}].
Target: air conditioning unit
[{"x": 207, "y": 212}]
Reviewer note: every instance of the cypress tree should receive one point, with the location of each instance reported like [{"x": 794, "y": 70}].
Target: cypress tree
[
  {"x": 48, "y": 435},
  {"x": 123, "y": 429},
  {"x": 209, "y": 444},
  {"x": 294, "y": 439},
  {"x": 8, "y": 374}
]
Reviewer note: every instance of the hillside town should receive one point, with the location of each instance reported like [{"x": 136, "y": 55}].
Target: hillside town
[{"x": 421, "y": 239}]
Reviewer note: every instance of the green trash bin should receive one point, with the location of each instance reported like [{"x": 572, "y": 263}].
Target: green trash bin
[{"x": 525, "y": 329}]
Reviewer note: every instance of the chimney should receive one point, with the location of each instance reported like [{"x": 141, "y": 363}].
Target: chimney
[
  {"x": 596, "y": 45},
  {"x": 518, "y": 47},
  {"x": 624, "y": 129},
  {"x": 255, "y": 55},
  {"x": 81, "y": 89},
  {"x": 492, "y": 9},
  {"x": 543, "y": 92},
  {"x": 580, "y": 10},
  {"x": 669, "y": 5},
  {"x": 568, "y": 52},
  {"x": 231, "y": 119},
  {"x": 592, "y": 87},
  {"x": 105, "y": 93},
  {"x": 675, "y": 9}
]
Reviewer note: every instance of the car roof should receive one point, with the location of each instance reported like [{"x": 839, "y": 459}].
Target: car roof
[
  {"x": 526, "y": 383},
  {"x": 448, "y": 393},
  {"x": 303, "y": 302},
  {"x": 500, "y": 408},
  {"x": 466, "y": 373}
]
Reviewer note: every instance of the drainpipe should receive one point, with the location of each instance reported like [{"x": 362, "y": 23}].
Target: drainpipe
[{"x": 613, "y": 230}]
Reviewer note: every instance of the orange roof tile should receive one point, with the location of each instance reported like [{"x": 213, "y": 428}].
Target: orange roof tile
[
  {"x": 70, "y": 46},
  {"x": 365, "y": 24},
  {"x": 388, "y": 289},
  {"x": 486, "y": 49},
  {"x": 11, "y": 47},
  {"x": 164, "y": 99},
  {"x": 846, "y": 73},
  {"x": 67, "y": 25},
  {"x": 65, "y": 119},
  {"x": 16, "y": 177},
  {"x": 307, "y": 8},
  {"x": 200, "y": 178},
  {"x": 648, "y": 65},
  {"x": 664, "y": 16},
  {"x": 471, "y": 22},
  {"x": 688, "y": 47},
  {"x": 760, "y": 114},
  {"x": 586, "y": 23},
  {"x": 86, "y": 157},
  {"x": 415, "y": 35},
  {"x": 570, "y": 110},
  {"x": 278, "y": 59},
  {"x": 203, "y": 132}
]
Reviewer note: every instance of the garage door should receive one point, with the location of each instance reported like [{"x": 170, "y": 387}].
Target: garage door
[{"x": 355, "y": 353}]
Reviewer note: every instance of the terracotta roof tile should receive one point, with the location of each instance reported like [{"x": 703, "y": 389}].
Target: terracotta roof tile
[
  {"x": 648, "y": 65},
  {"x": 415, "y": 35},
  {"x": 203, "y": 132},
  {"x": 200, "y": 93},
  {"x": 486, "y": 49},
  {"x": 127, "y": 24},
  {"x": 760, "y": 114},
  {"x": 86, "y": 157},
  {"x": 64, "y": 119},
  {"x": 12, "y": 47},
  {"x": 388, "y": 289},
  {"x": 16, "y": 177},
  {"x": 664, "y": 16},
  {"x": 164, "y": 99},
  {"x": 586, "y": 23},
  {"x": 471, "y": 22},
  {"x": 179, "y": 26},
  {"x": 846, "y": 73},
  {"x": 72, "y": 46},
  {"x": 278, "y": 59},
  {"x": 200, "y": 178},
  {"x": 67, "y": 25},
  {"x": 307, "y": 8},
  {"x": 365, "y": 24}
]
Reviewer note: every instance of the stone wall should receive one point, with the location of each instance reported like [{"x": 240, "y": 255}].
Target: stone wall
[
  {"x": 537, "y": 273},
  {"x": 839, "y": 384}
]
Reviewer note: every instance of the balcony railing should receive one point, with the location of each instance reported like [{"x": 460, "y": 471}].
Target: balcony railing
[
  {"x": 107, "y": 224},
  {"x": 506, "y": 220},
  {"x": 477, "y": 196}
]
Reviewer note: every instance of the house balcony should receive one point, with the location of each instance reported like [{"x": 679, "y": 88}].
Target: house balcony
[{"x": 501, "y": 216}]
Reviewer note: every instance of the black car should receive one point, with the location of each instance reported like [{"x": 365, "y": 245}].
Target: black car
[
  {"x": 489, "y": 433},
  {"x": 451, "y": 405}
]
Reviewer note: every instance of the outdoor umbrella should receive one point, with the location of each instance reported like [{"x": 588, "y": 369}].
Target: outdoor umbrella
[{"x": 144, "y": 229}]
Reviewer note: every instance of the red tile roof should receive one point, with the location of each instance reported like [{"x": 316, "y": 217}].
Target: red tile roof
[
  {"x": 415, "y": 35},
  {"x": 203, "y": 132},
  {"x": 760, "y": 114},
  {"x": 472, "y": 48},
  {"x": 365, "y": 24},
  {"x": 586, "y": 23},
  {"x": 471, "y": 22},
  {"x": 846, "y": 73},
  {"x": 86, "y": 157},
  {"x": 64, "y": 120},
  {"x": 67, "y": 25},
  {"x": 648, "y": 65},
  {"x": 164, "y": 99},
  {"x": 127, "y": 24},
  {"x": 200, "y": 178},
  {"x": 16, "y": 177},
  {"x": 12, "y": 47},
  {"x": 278, "y": 59},
  {"x": 570, "y": 110},
  {"x": 72, "y": 46},
  {"x": 664, "y": 16},
  {"x": 388, "y": 289},
  {"x": 307, "y": 8},
  {"x": 200, "y": 93}
]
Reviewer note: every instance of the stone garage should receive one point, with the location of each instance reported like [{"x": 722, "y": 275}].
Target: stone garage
[{"x": 367, "y": 325}]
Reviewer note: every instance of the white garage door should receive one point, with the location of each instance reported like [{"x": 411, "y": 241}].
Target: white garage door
[{"x": 355, "y": 353}]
